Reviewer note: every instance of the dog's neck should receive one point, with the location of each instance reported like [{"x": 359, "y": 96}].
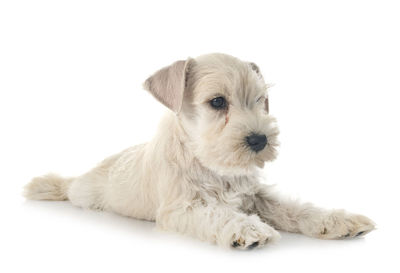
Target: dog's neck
[{"x": 170, "y": 142}]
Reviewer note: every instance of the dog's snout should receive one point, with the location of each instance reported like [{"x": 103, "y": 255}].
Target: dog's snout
[{"x": 256, "y": 142}]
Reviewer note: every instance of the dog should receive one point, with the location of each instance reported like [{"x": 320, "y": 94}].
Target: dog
[{"x": 200, "y": 174}]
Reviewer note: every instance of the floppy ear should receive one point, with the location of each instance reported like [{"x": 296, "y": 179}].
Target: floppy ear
[{"x": 168, "y": 84}]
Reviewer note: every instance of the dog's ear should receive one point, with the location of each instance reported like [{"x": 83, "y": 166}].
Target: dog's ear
[
  {"x": 255, "y": 68},
  {"x": 168, "y": 84}
]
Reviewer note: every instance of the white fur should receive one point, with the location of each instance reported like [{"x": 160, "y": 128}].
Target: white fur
[{"x": 198, "y": 176}]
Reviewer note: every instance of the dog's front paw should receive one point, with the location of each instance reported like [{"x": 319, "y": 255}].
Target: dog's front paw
[
  {"x": 339, "y": 224},
  {"x": 252, "y": 233}
]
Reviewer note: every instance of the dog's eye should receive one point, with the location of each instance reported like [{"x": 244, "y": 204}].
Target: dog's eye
[{"x": 218, "y": 103}]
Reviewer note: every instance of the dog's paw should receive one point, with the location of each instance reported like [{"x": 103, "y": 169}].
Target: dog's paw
[
  {"x": 339, "y": 224},
  {"x": 253, "y": 234}
]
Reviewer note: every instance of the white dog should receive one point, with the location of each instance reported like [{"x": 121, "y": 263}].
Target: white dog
[{"x": 199, "y": 174}]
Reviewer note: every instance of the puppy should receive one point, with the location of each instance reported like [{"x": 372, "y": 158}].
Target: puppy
[{"x": 199, "y": 174}]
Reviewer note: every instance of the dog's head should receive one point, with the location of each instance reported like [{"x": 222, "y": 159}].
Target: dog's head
[{"x": 222, "y": 105}]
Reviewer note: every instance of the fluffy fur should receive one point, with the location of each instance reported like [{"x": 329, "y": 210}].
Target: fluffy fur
[{"x": 198, "y": 176}]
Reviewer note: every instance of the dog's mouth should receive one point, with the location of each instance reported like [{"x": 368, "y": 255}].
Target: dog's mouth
[{"x": 242, "y": 161}]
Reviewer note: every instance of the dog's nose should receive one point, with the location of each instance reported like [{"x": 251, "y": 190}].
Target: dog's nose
[{"x": 256, "y": 142}]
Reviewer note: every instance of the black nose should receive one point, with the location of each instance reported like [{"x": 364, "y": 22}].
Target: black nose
[{"x": 256, "y": 142}]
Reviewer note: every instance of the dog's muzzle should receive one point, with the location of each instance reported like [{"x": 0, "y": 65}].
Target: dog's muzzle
[{"x": 256, "y": 142}]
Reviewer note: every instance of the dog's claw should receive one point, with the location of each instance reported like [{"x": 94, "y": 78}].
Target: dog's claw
[
  {"x": 235, "y": 244},
  {"x": 360, "y": 233},
  {"x": 253, "y": 245},
  {"x": 347, "y": 235}
]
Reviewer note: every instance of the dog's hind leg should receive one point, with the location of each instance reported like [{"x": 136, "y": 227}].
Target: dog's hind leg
[
  {"x": 90, "y": 190},
  {"x": 87, "y": 191}
]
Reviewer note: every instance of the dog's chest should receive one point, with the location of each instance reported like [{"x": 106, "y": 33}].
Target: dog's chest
[{"x": 235, "y": 192}]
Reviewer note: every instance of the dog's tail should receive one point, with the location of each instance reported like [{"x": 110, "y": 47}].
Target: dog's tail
[{"x": 48, "y": 187}]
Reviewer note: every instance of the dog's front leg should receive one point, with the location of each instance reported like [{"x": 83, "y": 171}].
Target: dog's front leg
[
  {"x": 305, "y": 218},
  {"x": 217, "y": 224}
]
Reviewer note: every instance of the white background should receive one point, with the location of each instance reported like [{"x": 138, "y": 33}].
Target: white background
[{"x": 70, "y": 83}]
